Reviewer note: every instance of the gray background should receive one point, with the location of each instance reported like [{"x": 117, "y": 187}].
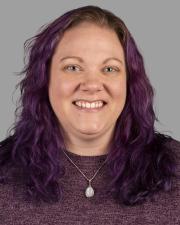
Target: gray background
[{"x": 154, "y": 25}]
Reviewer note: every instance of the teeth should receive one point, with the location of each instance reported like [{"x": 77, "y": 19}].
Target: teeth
[{"x": 88, "y": 105}]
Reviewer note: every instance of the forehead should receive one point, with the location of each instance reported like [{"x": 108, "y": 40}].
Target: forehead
[{"x": 89, "y": 37}]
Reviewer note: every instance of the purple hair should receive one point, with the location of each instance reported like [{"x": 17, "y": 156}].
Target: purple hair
[{"x": 139, "y": 161}]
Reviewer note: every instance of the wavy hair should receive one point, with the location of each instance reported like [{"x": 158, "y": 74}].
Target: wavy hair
[{"x": 139, "y": 161}]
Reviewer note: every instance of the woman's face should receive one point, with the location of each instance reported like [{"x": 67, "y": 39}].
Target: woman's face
[{"x": 89, "y": 76}]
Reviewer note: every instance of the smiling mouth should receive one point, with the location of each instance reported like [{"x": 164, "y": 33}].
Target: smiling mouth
[{"x": 84, "y": 109}]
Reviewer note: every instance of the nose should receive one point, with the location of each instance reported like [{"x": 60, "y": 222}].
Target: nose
[{"x": 91, "y": 83}]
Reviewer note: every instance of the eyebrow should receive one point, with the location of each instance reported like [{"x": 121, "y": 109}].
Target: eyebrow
[{"x": 81, "y": 60}]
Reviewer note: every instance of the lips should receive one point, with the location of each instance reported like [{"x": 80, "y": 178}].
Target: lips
[
  {"x": 90, "y": 101},
  {"x": 91, "y": 106},
  {"x": 89, "y": 109}
]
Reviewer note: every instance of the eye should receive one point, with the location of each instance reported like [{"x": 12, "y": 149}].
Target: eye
[
  {"x": 71, "y": 68},
  {"x": 112, "y": 69}
]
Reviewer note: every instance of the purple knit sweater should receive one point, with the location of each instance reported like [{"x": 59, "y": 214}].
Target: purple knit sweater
[{"x": 77, "y": 209}]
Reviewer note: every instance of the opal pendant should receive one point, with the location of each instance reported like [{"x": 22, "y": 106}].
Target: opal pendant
[{"x": 89, "y": 191}]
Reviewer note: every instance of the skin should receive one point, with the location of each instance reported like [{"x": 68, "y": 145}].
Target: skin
[{"x": 88, "y": 133}]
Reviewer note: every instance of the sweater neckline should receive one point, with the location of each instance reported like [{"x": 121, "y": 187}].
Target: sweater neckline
[{"x": 84, "y": 159}]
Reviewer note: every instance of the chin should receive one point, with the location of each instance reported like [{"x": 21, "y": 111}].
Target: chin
[{"x": 90, "y": 133}]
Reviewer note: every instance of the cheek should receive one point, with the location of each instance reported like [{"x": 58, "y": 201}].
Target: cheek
[
  {"x": 119, "y": 90},
  {"x": 60, "y": 89},
  {"x": 118, "y": 96},
  {"x": 59, "y": 97}
]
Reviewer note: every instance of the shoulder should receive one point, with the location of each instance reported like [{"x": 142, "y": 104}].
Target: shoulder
[
  {"x": 6, "y": 142},
  {"x": 172, "y": 155},
  {"x": 167, "y": 200},
  {"x": 5, "y": 150},
  {"x": 6, "y": 165},
  {"x": 167, "y": 146},
  {"x": 174, "y": 147},
  {"x": 167, "y": 151}
]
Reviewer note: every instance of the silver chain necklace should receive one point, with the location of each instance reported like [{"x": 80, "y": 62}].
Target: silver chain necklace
[{"x": 89, "y": 192}]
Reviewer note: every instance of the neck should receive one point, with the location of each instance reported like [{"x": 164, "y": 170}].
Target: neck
[{"x": 89, "y": 146}]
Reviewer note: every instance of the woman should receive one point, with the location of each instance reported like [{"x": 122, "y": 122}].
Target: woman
[{"x": 84, "y": 148}]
